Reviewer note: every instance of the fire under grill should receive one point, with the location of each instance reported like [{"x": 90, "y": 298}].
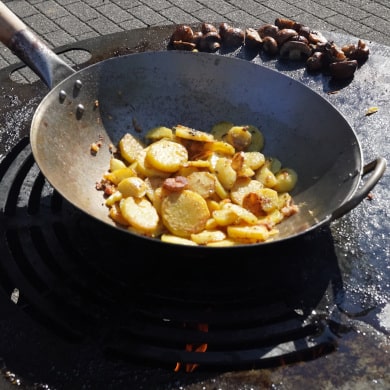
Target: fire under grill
[{"x": 86, "y": 283}]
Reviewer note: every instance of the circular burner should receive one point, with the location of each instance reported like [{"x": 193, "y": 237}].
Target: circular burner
[{"x": 88, "y": 283}]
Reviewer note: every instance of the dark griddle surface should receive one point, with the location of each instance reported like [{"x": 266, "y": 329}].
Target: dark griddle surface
[{"x": 324, "y": 297}]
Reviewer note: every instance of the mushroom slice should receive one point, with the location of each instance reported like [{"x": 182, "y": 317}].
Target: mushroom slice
[
  {"x": 270, "y": 46},
  {"x": 231, "y": 36},
  {"x": 287, "y": 23},
  {"x": 343, "y": 70},
  {"x": 268, "y": 30},
  {"x": 316, "y": 61},
  {"x": 295, "y": 50},
  {"x": 182, "y": 45},
  {"x": 285, "y": 35},
  {"x": 253, "y": 39},
  {"x": 183, "y": 33},
  {"x": 209, "y": 42},
  {"x": 359, "y": 52}
]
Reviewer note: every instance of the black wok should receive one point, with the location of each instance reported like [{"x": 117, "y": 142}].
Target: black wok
[{"x": 136, "y": 92}]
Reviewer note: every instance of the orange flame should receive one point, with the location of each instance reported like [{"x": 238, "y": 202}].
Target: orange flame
[{"x": 190, "y": 367}]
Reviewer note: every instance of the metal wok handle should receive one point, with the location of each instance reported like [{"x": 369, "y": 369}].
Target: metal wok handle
[
  {"x": 376, "y": 168},
  {"x": 31, "y": 50}
]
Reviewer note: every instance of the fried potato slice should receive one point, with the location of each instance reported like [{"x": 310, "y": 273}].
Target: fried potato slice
[
  {"x": 242, "y": 214},
  {"x": 115, "y": 164},
  {"x": 239, "y": 137},
  {"x": 202, "y": 182},
  {"x": 220, "y": 147},
  {"x": 158, "y": 133},
  {"x": 286, "y": 179},
  {"x": 132, "y": 186},
  {"x": 130, "y": 147},
  {"x": 192, "y": 134},
  {"x": 115, "y": 214},
  {"x": 172, "y": 239},
  {"x": 254, "y": 160},
  {"x": 145, "y": 169},
  {"x": 225, "y": 217},
  {"x": 140, "y": 214},
  {"x": 207, "y": 236},
  {"x": 253, "y": 233},
  {"x": 119, "y": 174},
  {"x": 113, "y": 198},
  {"x": 166, "y": 155},
  {"x": 266, "y": 176},
  {"x": 225, "y": 172},
  {"x": 263, "y": 200},
  {"x": 242, "y": 187},
  {"x": 184, "y": 213}
]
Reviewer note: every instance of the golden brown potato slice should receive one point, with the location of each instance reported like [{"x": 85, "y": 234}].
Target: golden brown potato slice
[
  {"x": 145, "y": 169},
  {"x": 254, "y": 160},
  {"x": 255, "y": 233},
  {"x": 116, "y": 215},
  {"x": 266, "y": 176},
  {"x": 130, "y": 147},
  {"x": 113, "y": 198},
  {"x": 202, "y": 182},
  {"x": 115, "y": 164},
  {"x": 184, "y": 213},
  {"x": 119, "y": 174},
  {"x": 242, "y": 187},
  {"x": 225, "y": 172},
  {"x": 239, "y": 137},
  {"x": 158, "y": 133},
  {"x": 166, "y": 155},
  {"x": 207, "y": 236},
  {"x": 172, "y": 239},
  {"x": 140, "y": 214},
  {"x": 192, "y": 134},
  {"x": 132, "y": 186},
  {"x": 286, "y": 179}
]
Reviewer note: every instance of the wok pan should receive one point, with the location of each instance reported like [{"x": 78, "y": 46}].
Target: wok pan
[{"x": 136, "y": 92}]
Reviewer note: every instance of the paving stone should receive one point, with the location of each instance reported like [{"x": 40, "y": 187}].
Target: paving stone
[{"x": 61, "y": 22}]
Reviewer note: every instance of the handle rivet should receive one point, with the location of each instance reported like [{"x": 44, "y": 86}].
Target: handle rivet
[
  {"x": 62, "y": 95},
  {"x": 80, "y": 110}
]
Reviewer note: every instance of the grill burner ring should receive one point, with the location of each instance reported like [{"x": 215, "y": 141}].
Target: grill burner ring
[{"x": 84, "y": 283}]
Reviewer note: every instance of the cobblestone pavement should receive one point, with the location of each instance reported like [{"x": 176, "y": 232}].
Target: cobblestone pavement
[{"x": 60, "y": 22}]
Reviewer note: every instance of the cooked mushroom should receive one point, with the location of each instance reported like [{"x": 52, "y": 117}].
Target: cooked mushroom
[
  {"x": 334, "y": 52},
  {"x": 295, "y": 50},
  {"x": 305, "y": 31},
  {"x": 268, "y": 30},
  {"x": 359, "y": 52},
  {"x": 316, "y": 61},
  {"x": 197, "y": 36},
  {"x": 287, "y": 23},
  {"x": 342, "y": 70},
  {"x": 253, "y": 39},
  {"x": 231, "y": 36},
  {"x": 209, "y": 42},
  {"x": 208, "y": 27},
  {"x": 270, "y": 46},
  {"x": 181, "y": 45},
  {"x": 182, "y": 33},
  {"x": 316, "y": 37},
  {"x": 285, "y": 35}
]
